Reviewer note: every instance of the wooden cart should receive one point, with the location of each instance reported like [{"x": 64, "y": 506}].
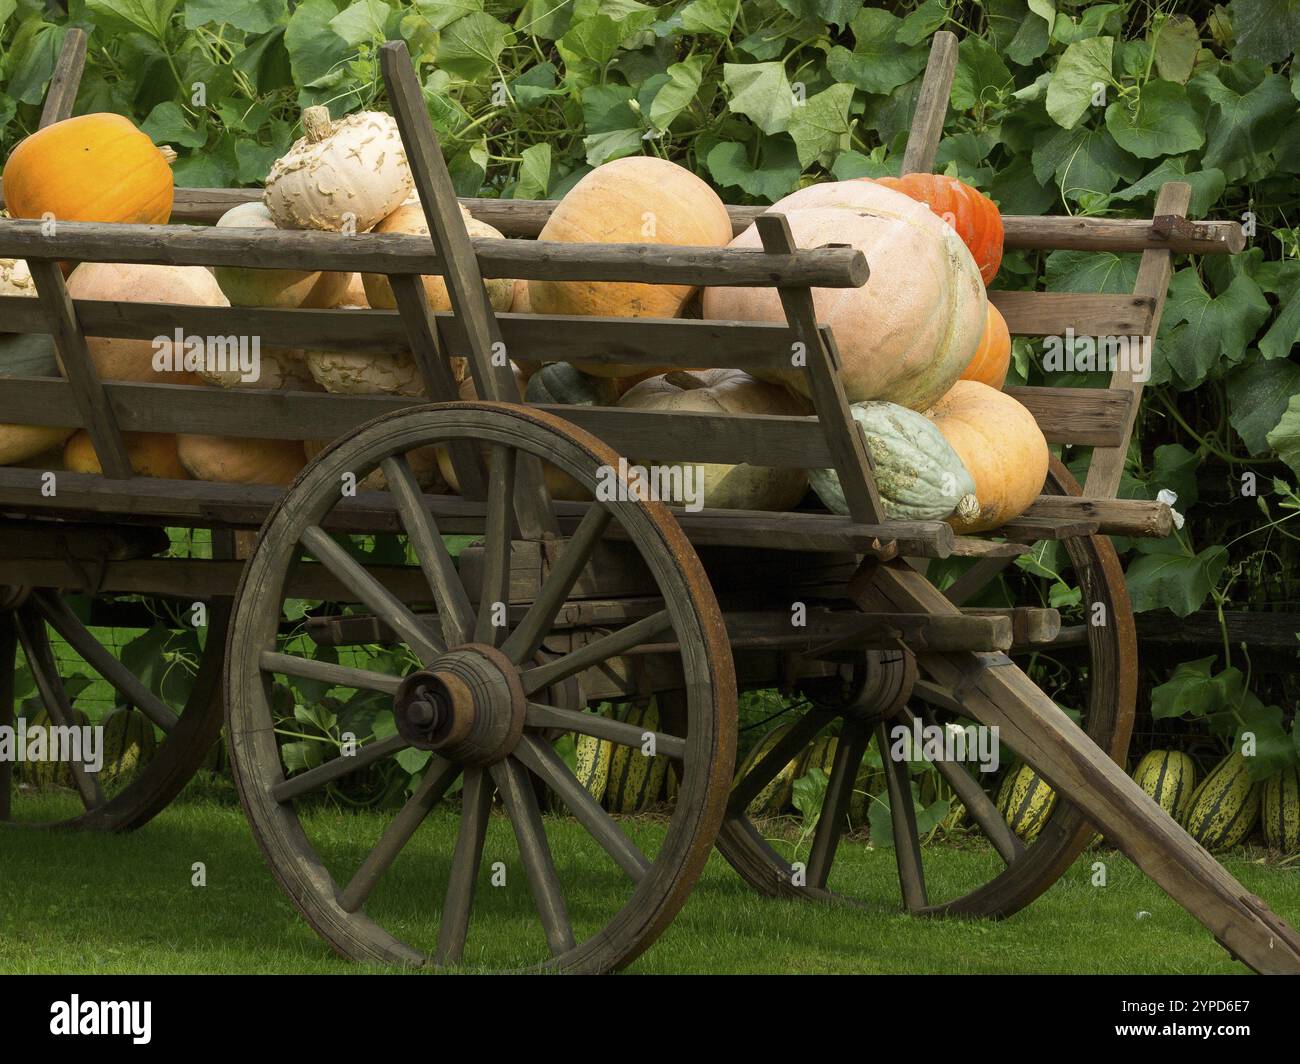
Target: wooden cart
[{"x": 560, "y": 605}]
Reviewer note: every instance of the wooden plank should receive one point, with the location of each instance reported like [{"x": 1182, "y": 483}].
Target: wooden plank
[
  {"x": 931, "y": 105},
  {"x": 1030, "y": 625},
  {"x": 185, "y": 245},
  {"x": 1114, "y": 517},
  {"x": 1036, "y": 529},
  {"x": 850, "y": 454},
  {"x": 1257, "y": 628},
  {"x": 61, "y": 95},
  {"x": 1087, "y": 313},
  {"x": 1092, "y": 416},
  {"x": 1154, "y": 272},
  {"x": 94, "y": 412}
]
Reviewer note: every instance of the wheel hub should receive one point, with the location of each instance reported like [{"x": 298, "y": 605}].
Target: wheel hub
[{"x": 468, "y": 705}]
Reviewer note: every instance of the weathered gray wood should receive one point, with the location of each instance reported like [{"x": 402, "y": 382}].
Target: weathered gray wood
[
  {"x": 466, "y": 859},
  {"x": 931, "y": 105},
  {"x": 1029, "y": 624},
  {"x": 1094, "y": 416},
  {"x": 316, "y": 778},
  {"x": 1256, "y": 628},
  {"x": 329, "y": 672},
  {"x": 616, "y": 731},
  {"x": 602, "y": 649},
  {"x": 61, "y": 95},
  {"x": 498, "y": 534},
  {"x": 1087, "y": 313},
  {"x": 907, "y": 844},
  {"x": 8, "y": 652},
  {"x": 1106, "y": 468},
  {"x": 1114, "y": 517},
  {"x": 849, "y": 751},
  {"x": 93, "y": 409}
]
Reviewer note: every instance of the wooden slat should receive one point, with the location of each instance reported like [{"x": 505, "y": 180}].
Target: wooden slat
[
  {"x": 1114, "y": 517},
  {"x": 62, "y": 92},
  {"x": 931, "y": 105},
  {"x": 1094, "y": 416},
  {"x": 186, "y": 245},
  {"x": 1107, "y": 466},
  {"x": 1087, "y": 313}
]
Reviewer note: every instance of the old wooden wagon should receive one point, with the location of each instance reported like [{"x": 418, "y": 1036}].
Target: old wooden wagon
[{"x": 560, "y": 605}]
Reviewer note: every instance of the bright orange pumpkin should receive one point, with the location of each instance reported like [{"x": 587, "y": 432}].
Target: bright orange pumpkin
[
  {"x": 91, "y": 168},
  {"x": 975, "y": 217},
  {"x": 992, "y": 358}
]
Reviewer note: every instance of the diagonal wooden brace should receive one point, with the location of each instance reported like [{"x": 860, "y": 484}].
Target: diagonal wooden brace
[{"x": 997, "y": 693}]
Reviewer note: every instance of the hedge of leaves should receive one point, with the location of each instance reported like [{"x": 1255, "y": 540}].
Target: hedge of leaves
[{"x": 1057, "y": 107}]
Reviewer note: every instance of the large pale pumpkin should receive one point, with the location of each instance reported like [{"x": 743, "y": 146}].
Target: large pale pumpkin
[
  {"x": 723, "y": 392},
  {"x": 409, "y": 218},
  {"x": 133, "y": 360},
  {"x": 18, "y": 443},
  {"x": 91, "y": 168},
  {"x": 152, "y": 454},
  {"x": 907, "y": 334},
  {"x": 1001, "y": 446},
  {"x": 229, "y": 460},
  {"x": 287, "y": 289},
  {"x": 972, "y": 214},
  {"x": 992, "y": 359},
  {"x": 635, "y": 200}
]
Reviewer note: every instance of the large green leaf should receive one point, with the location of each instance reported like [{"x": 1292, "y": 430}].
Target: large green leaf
[
  {"x": 821, "y": 123},
  {"x": 877, "y": 62},
  {"x": 1176, "y": 44},
  {"x": 151, "y": 17},
  {"x": 1091, "y": 271},
  {"x": 1084, "y": 160},
  {"x": 1201, "y": 331},
  {"x": 1285, "y": 437},
  {"x": 1239, "y": 126},
  {"x": 1258, "y": 393},
  {"x": 1082, "y": 76},
  {"x": 981, "y": 75},
  {"x": 1175, "y": 580},
  {"x": 710, "y": 16},
  {"x": 1159, "y": 120},
  {"x": 1207, "y": 186},
  {"x": 681, "y": 89},
  {"x": 761, "y": 92},
  {"x": 470, "y": 46},
  {"x": 251, "y": 16},
  {"x": 775, "y": 174},
  {"x": 363, "y": 20},
  {"x": 1267, "y": 30},
  {"x": 314, "y": 49}
]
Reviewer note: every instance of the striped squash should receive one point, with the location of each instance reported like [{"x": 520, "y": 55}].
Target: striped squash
[
  {"x": 635, "y": 781},
  {"x": 774, "y": 798},
  {"x": 593, "y": 758},
  {"x": 129, "y": 742},
  {"x": 48, "y": 772},
  {"x": 1025, "y": 801},
  {"x": 956, "y": 816},
  {"x": 1281, "y": 810},
  {"x": 821, "y": 754},
  {"x": 1225, "y": 806},
  {"x": 1168, "y": 776}
]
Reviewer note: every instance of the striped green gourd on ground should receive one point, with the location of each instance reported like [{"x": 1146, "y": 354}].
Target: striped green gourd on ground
[
  {"x": 1225, "y": 807},
  {"x": 129, "y": 742},
  {"x": 774, "y": 798},
  {"x": 1168, "y": 776},
  {"x": 1281, "y": 810},
  {"x": 635, "y": 781},
  {"x": 48, "y": 772},
  {"x": 593, "y": 758},
  {"x": 955, "y": 819},
  {"x": 1025, "y": 801}
]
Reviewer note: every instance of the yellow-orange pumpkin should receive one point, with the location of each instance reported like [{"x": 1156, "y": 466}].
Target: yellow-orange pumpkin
[
  {"x": 1001, "y": 446},
  {"x": 230, "y": 460},
  {"x": 992, "y": 358},
  {"x": 91, "y": 168},
  {"x": 152, "y": 454},
  {"x": 636, "y": 200}
]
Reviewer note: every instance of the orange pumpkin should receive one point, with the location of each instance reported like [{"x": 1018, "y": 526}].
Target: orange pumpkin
[
  {"x": 992, "y": 358},
  {"x": 91, "y": 168},
  {"x": 1001, "y": 446},
  {"x": 967, "y": 210}
]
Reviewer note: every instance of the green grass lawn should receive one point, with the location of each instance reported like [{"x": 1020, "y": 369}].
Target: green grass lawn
[{"x": 92, "y": 903}]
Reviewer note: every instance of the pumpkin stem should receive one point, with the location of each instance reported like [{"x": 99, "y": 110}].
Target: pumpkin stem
[
  {"x": 967, "y": 509},
  {"x": 316, "y": 123},
  {"x": 685, "y": 380},
  {"x": 168, "y": 153}
]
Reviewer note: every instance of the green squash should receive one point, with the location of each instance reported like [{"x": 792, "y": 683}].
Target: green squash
[
  {"x": 918, "y": 473},
  {"x": 28, "y": 355},
  {"x": 560, "y": 384}
]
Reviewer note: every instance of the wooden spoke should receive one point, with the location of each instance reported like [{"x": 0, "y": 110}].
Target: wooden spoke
[
  {"x": 45, "y": 671},
  {"x": 438, "y": 776},
  {"x": 972, "y": 796},
  {"x": 785, "y": 750},
  {"x": 937, "y": 695},
  {"x": 598, "y": 650},
  {"x": 498, "y": 532},
  {"x": 466, "y": 858},
  {"x": 8, "y": 650},
  {"x": 521, "y": 804},
  {"x": 544, "y": 762},
  {"x": 454, "y": 610},
  {"x": 849, "y": 752},
  {"x": 372, "y": 593},
  {"x": 616, "y": 731},
  {"x": 331, "y": 673},
  {"x": 316, "y": 778},
  {"x": 52, "y": 607},
  {"x": 527, "y": 638},
  {"x": 907, "y": 844}
]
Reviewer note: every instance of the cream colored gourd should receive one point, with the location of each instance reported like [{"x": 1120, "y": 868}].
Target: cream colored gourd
[
  {"x": 152, "y": 454},
  {"x": 721, "y": 392},
  {"x": 340, "y": 176},
  {"x": 16, "y": 278},
  {"x": 286, "y": 289},
  {"x": 229, "y": 460},
  {"x": 278, "y": 369},
  {"x": 410, "y": 219},
  {"x": 1001, "y": 446},
  {"x": 134, "y": 360},
  {"x": 907, "y": 334},
  {"x": 640, "y": 199}
]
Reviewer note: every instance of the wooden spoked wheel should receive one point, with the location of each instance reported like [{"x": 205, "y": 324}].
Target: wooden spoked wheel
[
  {"x": 1091, "y": 669},
  {"x": 84, "y": 798},
  {"x": 474, "y": 887}
]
